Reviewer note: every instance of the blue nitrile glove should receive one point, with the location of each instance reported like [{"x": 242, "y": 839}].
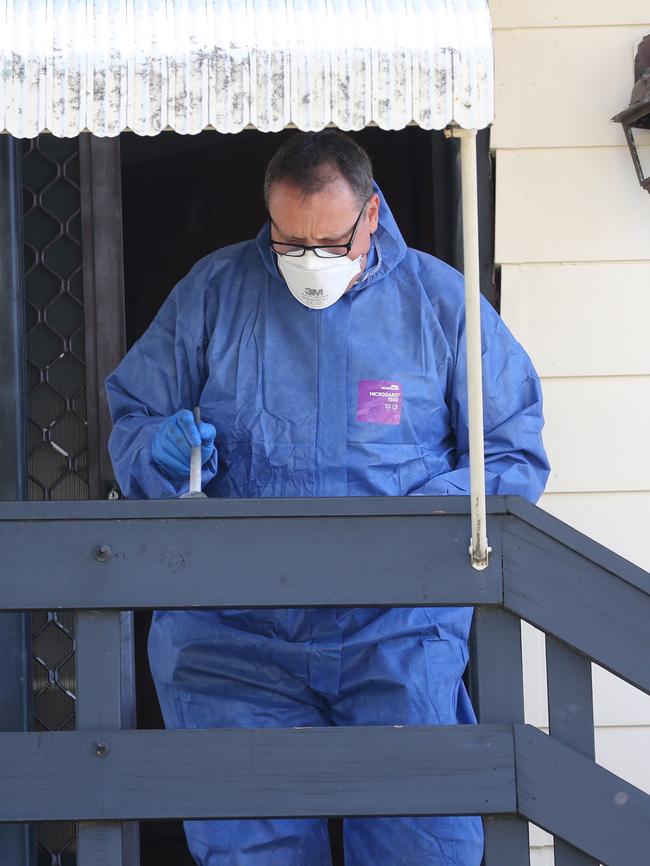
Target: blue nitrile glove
[{"x": 172, "y": 445}]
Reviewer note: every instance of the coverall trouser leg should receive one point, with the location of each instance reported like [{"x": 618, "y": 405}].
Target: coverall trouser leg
[
  {"x": 324, "y": 668},
  {"x": 414, "y": 681}
]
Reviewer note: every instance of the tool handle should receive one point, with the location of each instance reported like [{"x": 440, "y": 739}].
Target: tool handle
[{"x": 195, "y": 459}]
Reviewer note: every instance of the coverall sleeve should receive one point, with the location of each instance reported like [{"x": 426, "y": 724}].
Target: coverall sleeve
[
  {"x": 515, "y": 459},
  {"x": 161, "y": 374}
]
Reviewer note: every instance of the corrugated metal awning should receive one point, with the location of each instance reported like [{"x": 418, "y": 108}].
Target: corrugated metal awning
[{"x": 188, "y": 65}]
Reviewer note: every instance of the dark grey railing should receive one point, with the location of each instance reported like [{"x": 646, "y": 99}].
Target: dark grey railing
[{"x": 99, "y": 558}]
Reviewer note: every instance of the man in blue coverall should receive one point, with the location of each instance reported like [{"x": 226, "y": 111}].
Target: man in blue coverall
[{"x": 327, "y": 359}]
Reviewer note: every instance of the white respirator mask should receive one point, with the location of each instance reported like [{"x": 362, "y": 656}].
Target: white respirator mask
[{"x": 318, "y": 281}]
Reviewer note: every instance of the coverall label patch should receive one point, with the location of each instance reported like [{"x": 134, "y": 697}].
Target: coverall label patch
[{"x": 379, "y": 402}]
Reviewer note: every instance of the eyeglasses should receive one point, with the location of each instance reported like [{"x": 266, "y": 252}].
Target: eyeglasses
[{"x": 333, "y": 250}]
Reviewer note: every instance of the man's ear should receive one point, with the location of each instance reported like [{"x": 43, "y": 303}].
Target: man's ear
[{"x": 373, "y": 213}]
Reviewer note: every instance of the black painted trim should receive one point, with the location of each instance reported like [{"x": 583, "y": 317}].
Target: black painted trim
[{"x": 103, "y": 286}]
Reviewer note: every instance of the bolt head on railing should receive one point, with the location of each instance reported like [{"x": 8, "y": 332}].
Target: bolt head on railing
[
  {"x": 101, "y": 749},
  {"x": 102, "y": 553}
]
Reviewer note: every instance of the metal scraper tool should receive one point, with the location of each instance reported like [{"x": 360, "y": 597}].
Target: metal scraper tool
[{"x": 195, "y": 491}]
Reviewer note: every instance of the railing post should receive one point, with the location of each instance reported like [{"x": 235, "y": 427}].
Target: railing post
[
  {"x": 16, "y": 840},
  {"x": 497, "y": 691},
  {"x": 98, "y": 662},
  {"x": 103, "y": 289},
  {"x": 571, "y": 720}
]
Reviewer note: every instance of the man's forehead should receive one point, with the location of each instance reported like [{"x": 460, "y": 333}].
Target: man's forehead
[
  {"x": 330, "y": 211},
  {"x": 336, "y": 193}
]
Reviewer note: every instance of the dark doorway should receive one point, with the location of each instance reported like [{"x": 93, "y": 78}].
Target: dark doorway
[{"x": 184, "y": 196}]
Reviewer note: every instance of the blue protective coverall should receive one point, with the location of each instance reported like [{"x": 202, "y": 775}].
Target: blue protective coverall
[{"x": 367, "y": 397}]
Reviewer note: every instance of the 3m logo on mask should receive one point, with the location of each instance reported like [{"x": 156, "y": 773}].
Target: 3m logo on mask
[{"x": 328, "y": 278}]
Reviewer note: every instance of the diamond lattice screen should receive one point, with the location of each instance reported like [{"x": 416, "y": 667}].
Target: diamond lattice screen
[{"x": 56, "y": 412}]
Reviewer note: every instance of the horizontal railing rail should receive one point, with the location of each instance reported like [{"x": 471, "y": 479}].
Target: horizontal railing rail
[
  {"x": 244, "y": 773},
  {"x": 366, "y": 551},
  {"x": 303, "y": 772},
  {"x": 101, "y": 558}
]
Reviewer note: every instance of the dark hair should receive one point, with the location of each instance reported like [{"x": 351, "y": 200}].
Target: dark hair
[{"x": 311, "y": 160}]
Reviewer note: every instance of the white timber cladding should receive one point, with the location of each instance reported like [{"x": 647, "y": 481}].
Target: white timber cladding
[
  {"x": 571, "y": 204},
  {"x": 597, "y": 434},
  {"x": 571, "y": 107},
  {"x": 612, "y": 297},
  {"x": 187, "y": 65},
  {"x": 542, "y": 857},
  {"x": 573, "y": 243},
  {"x": 567, "y": 13}
]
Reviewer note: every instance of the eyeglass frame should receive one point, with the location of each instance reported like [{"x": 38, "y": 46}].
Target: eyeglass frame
[{"x": 305, "y": 248}]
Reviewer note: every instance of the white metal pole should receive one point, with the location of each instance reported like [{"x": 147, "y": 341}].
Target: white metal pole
[{"x": 479, "y": 550}]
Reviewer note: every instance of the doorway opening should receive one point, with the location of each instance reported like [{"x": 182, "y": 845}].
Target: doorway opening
[{"x": 185, "y": 196}]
